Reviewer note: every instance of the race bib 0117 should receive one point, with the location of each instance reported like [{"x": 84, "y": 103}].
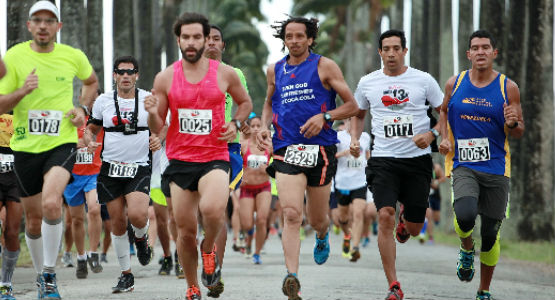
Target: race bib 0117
[
  {"x": 302, "y": 155},
  {"x": 195, "y": 121},
  {"x": 473, "y": 150},
  {"x": 398, "y": 126},
  {"x": 44, "y": 122}
]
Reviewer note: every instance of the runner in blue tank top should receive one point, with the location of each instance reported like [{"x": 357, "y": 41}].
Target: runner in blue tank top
[
  {"x": 300, "y": 103},
  {"x": 480, "y": 109}
]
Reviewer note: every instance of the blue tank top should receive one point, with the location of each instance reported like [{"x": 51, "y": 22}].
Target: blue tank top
[
  {"x": 476, "y": 127},
  {"x": 299, "y": 95}
]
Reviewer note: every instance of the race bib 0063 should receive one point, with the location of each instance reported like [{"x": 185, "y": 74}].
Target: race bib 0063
[
  {"x": 302, "y": 155},
  {"x": 45, "y": 122},
  {"x": 119, "y": 169},
  {"x": 195, "y": 121},
  {"x": 473, "y": 150},
  {"x": 398, "y": 126}
]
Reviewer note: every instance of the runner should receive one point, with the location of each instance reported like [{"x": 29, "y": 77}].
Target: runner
[
  {"x": 9, "y": 197},
  {"x": 38, "y": 87},
  {"x": 256, "y": 194},
  {"x": 194, "y": 90},
  {"x": 107, "y": 240},
  {"x": 300, "y": 103},
  {"x": 480, "y": 110},
  {"x": 433, "y": 213},
  {"x": 400, "y": 166},
  {"x": 124, "y": 179}
]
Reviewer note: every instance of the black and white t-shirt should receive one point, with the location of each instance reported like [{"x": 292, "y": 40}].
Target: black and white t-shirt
[
  {"x": 118, "y": 147},
  {"x": 398, "y": 106}
]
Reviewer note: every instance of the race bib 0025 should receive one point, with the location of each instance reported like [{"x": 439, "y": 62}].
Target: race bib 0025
[
  {"x": 195, "y": 121},
  {"x": 398, "y": 126},
  {"x": 119, "y": 169},
  {"x": 302, "y": 155},
  {"x": 45, "y": 122},
  {"x": 473, "y": 150}
]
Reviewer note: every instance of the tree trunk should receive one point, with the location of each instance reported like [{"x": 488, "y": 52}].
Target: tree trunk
[
  {"x": 419, "y": 48},
  {"x": 18, "y": 14},
  {"x": 492, "y": 19},
  {"x": 465, "y": 30},
  {"x": 432, "y": 38},
  {"x": 94, "y": 38},
  {"x": 123, "y": 28},
  {"x": 72, "y": 15}
]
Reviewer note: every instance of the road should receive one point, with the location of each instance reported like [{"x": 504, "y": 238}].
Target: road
[{"x": 425, "y": 272}]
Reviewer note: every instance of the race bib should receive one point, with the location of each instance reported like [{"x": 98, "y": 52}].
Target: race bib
[
  {"x": 473, "y": 150},
  {"x": 302, "y": 155},
  {"x": 6, "y": 163},
  {"x": 195, "y": 121},
  {"x": 119, "y": 169},
  {"x": 45, "y": 122},
  {"x": 84, "y": 157},
  {"x": 398, "y": 126},
  {"x": 354, "y": 163},
  {"x": 255, "y": 161}
]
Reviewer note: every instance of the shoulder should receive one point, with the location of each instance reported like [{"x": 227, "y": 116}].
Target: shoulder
[
  {"x": 17, "y": 48},
  {"x": 238, "y": 71},
  {"x": 327, "y": 63},
  {"x": 67, "y": 49},
  {"x": 104, "y": 98},
  {"x": 423, "y": 75},
  {"x": 369, "y": 78}
]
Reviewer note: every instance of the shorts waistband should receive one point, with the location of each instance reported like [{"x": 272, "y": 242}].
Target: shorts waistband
[{"x": 257, "y": 186}]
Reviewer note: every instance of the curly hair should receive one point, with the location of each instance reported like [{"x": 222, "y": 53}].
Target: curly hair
[{"x": 311, "y": 29}]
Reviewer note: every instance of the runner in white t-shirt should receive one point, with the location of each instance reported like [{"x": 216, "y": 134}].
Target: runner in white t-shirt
[
  {"x": 350, "y": 188},
  {"x": 398, "y": 97}
]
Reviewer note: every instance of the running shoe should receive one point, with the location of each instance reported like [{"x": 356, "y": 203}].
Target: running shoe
[
  {"x": 401, "y": 233},
  {"x": 6, "y": 292},
  {"x": 336, "y": 229},
  {"x": 103, "y": 258},
  {"x": 126, "y": 283},
  {"x": 395, "y": 292},
  {"x": 248, "y": 252},
  {"x": 465, "y": 265},
  {"x": 193, "y": 293},
  {"x": 422, "y": 238},
  {"x": 179, "y": 271},
  {"x": 94, "y": 263},
  {"x": 167, "y": 266},
  {"x": 291, "y": 287},
  {"x": 50, "y": 287},
  {"x": 144, "y": 251},
  {"x": 256, "y": 259},
  {"x": 211, "y": 271},
  {"x": 81, "y": 272},
  {"x": 216, "y": 290},
  {"x": 131, "y": 249},
  {"x": 346, "y": 246},
  {"x": 40, "y": 286},
  {"x": 483, "y": 295},
  {"x": 355, "y": 254},
  {"x": 322, "y": 249},
  {"x": 67, "y": 260},
  {"x": 365, "y": 242},
  {"x": 302, "y": 233}
]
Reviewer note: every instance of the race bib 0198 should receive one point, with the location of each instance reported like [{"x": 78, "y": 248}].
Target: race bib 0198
[
  {"x": 119, "y": 169},
  {"x": 195, "y": 121},
  {"x": 45, "y": 122},
  {"x": 473, "y": 150},
  {"x": 398, "y": 126},
  {"x": 6, "y": 163},
  {"x": 84, "y": 157},
  {"x": 302, "y": 155}
]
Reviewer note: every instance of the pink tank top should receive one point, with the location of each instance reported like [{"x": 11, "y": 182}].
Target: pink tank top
[{"x": 197, "y": 116}]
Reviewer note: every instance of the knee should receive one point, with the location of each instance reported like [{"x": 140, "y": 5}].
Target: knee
[
  {"x": 358, "y": 215},
  {"x": 77, "y": 221},
  {"x": 292, "y": 216},
  {"x": 489, "y": 231},
  {"x": 466, "y": 210},
  {"x": 386, "y": 218},
  {"x": 51, "y": 207},
  {"x": 261, "y": 221},
  {"x": 94, "y": 211}
]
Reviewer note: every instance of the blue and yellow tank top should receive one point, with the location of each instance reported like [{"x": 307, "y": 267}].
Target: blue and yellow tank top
[
  {"x": 299, "y": 95},
  {"x": 476, "y": 127}
]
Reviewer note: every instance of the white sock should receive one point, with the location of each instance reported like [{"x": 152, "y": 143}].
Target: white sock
[
  {"x": 81, "y": 257},
  {"x": 52, "y": 231},
  {"x": 121, "y": 244},
  {"x": 140, "y": 232},
  {"x": 34, "y": 243}
]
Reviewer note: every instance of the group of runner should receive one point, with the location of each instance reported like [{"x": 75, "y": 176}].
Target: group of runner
[{"x": 188, "y": 113}]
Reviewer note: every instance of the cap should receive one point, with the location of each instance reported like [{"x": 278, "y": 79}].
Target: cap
[{"x": 44, "y": 5}]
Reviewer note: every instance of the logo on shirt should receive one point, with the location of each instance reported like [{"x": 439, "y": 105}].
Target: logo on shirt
[
  {"x": 394, "y": 96},
  {"x": 60, "y": 78},
  {"x": 477, "y": 102}
]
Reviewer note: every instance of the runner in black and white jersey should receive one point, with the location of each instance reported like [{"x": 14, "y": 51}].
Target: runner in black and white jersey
[
  {"x": 400, "y": 168},
  {"x": 124, "y": 178},
  {"x": 350, "y": 188}
]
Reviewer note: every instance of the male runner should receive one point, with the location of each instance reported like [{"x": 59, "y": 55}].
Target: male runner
[
  {"x": 400, "y": 166},
  {"x": 38, "y": 87},
  {"x": 193, "y": 89},
  {"x": 300, "y": 102},
  {"x": 480, "y": 110}
]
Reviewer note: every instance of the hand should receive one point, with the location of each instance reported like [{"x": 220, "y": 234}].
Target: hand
[
  {"x": 154, "y": 143},
  {"x": 81, "y": 143},
  {"x": 151, "y": 103},
  {"x": 313, "y": 126},
  {"x": 342, "y": 153},
  {"x": 423, "y": 140},
  {"x": 445, "y": 146},
  {"x": 511, "y": 115},
  {"x": 229, "y": 132},
  {"x": 31, "y": 82},
  {"x": 91, "y": 148},
  {"x": 354, "y": 148},
  {"x": 77, "y": 116},
  {"x": 246, "y": 129},
  {"x": 264, "y": 140}
]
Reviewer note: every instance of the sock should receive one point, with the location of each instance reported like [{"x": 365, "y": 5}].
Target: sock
[
  {"x": 81, "y": 257},
  {"x": 9, "y": 259},
  {"x": 90, "y": 253},
  {"x": 140, "y": 232},
  {"x": 34, "y": 243},
  {"x": 52, "y": 231},
  {"x": 121, "y": 244}
]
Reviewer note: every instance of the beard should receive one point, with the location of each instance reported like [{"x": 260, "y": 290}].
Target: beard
[{"x": 195, "y": 58}]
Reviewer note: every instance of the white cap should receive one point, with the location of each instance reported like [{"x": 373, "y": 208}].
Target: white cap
[{"x": 44, "y": 5}]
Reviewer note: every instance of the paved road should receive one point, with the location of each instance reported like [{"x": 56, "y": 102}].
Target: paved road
[{"x": 425, "y": 272}]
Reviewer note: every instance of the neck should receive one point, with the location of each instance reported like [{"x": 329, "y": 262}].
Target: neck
[
  {"x": 295, "y": 60},
  {"x": 482, "y": 75},
  {"x": 395, "y": 72},
  {"x": 42, "y": 49},
  {"x": 129, "y": 94},
  {"x": 196, "y": 65}
]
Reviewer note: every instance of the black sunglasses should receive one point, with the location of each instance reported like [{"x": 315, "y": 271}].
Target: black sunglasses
[{"x": 123, "y": 71}]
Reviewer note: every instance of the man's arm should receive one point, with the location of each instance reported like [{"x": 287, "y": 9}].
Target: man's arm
[
  {"x": 89, "y": 137},
  {"x": 88, "y": 92},
  {"x": 513, "y": 111},
  {"x": 239, "y": 95},
  {"x": 334, "y": 78},
  {"x": 266, "y": 117},
  {"x": 9, "y": 101},
  {"x": 357, "y": 124},
  {"x": 156, "y": 104},
  {"x": 445, "y": 146}
]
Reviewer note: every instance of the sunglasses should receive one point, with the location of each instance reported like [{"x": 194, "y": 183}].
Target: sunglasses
[{"x": 123, "y": 71}]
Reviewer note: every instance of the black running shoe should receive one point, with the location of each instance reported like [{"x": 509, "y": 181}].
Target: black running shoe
[
  {"x": 291, "y": 287},
  {"x": 126, "y": 283},
  {"x": 216, "y": 290},
  {"x": 144, "y": 251},
  {"x": 167, "y": 266},
  {"x": 94, "y": 263},
  {"x": 81, "y": 272}
]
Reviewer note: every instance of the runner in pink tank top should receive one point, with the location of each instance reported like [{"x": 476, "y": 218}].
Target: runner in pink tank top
[{"x": 193, "y": 90}]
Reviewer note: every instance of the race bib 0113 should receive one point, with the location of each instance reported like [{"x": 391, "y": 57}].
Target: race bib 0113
[
  {"x": 195, "y": 121},
  {"x": 302, "y": 155},
  {"x": 473, "y": 150}
]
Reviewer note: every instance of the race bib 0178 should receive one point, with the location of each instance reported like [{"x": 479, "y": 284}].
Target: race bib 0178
[
  {"x": 45, "y": 122},
  {"x": 473, "y": 150},
  {"x": 302, "y": 155},
  {"x": 398, "y": 126},
  {"x": 195, "y": 121}
]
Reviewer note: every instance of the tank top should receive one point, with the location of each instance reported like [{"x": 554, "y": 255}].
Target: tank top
[
  {"x": 299, "y": 95},
  {"x": 476, "y": 127},
  {"x": 88, "y": 163},
  {"x": 251, "y": 160},
  {"x": 198, "y": 114}
]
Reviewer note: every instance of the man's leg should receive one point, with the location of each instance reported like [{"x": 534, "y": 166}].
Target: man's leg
[
  {"x": 14, "y": 214},
  {"x": 263, "y": 201},
  {"x": 317, "y": 207},
  {"x": 386, "y": 242},
  {"x": 137, "y": 212},
  {"x": 161, "y": 213},
  {"x": 359, "y": 206},
  {"x": 68, "y": 235},
  {"x": 94, "y": 221},
  {"x": 78, "y": 230}
]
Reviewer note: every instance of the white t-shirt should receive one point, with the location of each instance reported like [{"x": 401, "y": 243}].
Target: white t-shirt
[
  {"x": 399, "y": 110},
  {"x": 132, "y": 148},
  {"x": 350, "y": 173}
]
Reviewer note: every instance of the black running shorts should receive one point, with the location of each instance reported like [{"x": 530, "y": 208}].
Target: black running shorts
[
  {"x": 319, "y": 175},
  {"x": 187, "y": 174},
  {"x": 110, "y": 188},
  {"x": 9, "y": 191},
  {"x": 345, "y": 198}
]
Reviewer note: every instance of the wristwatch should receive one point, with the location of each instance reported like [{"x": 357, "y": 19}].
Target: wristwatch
[
  {"x": 86, "y": 109},
  {"x": 435, "y": 132},
  {"x": 237, "y": 123},
  {"x": 327, "y": 117}
]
